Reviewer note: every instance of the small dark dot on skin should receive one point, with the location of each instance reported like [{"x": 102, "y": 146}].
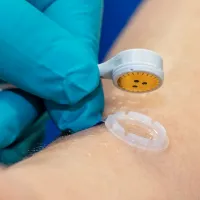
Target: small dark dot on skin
[
  {"x": 135, "y": 86},
  {"x": 144, "y": 83},
  {"x": 136, "y": 81}
]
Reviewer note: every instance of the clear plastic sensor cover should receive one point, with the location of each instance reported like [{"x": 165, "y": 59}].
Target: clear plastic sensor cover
[{"x": 138, "y": 130}]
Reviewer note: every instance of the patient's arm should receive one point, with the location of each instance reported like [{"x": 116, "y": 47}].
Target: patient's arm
[{"x": 94, "y": 164}]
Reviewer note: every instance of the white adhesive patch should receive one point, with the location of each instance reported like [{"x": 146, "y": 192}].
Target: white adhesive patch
[{"x": 157, "y": 139}]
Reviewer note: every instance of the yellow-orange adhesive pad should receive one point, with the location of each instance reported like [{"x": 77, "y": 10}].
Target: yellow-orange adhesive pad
[{"x": 138, "y": 82}]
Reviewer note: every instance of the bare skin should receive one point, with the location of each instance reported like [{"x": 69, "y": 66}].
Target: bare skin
[{"x": 94, "y": 164}]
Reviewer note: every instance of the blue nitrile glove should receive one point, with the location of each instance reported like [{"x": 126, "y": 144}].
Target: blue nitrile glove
[{"x": 48, "y": 48}]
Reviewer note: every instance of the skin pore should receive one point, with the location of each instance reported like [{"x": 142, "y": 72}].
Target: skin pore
[{"x": 93, "y": 164}]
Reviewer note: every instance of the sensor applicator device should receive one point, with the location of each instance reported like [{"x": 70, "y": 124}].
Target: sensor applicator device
[{"x": 134, "y": 70}]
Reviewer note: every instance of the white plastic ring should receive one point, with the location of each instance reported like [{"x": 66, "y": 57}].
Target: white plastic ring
[{"x": 159, "y": 140}]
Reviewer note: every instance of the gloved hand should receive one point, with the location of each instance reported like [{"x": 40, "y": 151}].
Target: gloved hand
[{"x": 49, "y": 49}]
